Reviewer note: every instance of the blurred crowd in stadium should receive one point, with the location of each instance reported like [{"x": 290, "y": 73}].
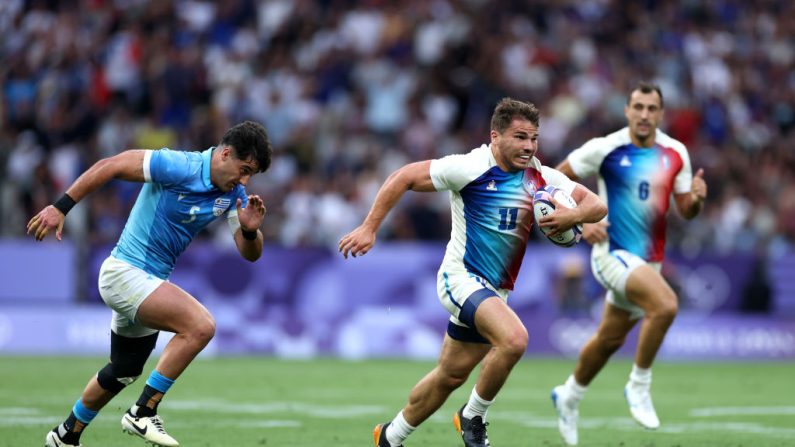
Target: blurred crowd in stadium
[{"x": 350, "y": 90}]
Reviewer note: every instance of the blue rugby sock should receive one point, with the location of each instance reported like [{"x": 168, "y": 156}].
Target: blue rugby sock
[
  {"x": 156, "y": 386},
  {"x": 73, "y": 426}
]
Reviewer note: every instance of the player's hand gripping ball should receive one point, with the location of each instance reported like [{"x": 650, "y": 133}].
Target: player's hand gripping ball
[{"x": 544, "y": 206}]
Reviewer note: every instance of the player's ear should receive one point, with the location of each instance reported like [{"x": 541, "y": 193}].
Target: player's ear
[{"x": 225, "y": 152}]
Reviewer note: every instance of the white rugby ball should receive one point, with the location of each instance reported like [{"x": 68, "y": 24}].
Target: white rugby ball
[{"x": 543, "y": 206}]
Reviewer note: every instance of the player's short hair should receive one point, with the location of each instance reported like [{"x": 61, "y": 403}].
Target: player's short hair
[
  {"x": 250, "y": 140},
  {"x": 646, "y": 87},
  {"x": 508, "y": 109}
]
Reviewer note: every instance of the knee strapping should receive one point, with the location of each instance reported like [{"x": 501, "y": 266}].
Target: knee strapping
[{"x": 127, "y": 359}]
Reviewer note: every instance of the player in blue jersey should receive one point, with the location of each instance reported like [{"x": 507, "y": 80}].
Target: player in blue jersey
[
  {"x": 491, "y": 191},
  {"x": 639, "y": 167},
  {"x": 182, "y": 194}
]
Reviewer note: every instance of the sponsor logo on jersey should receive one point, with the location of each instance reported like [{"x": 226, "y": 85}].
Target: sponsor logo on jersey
[
  {"x": 625, "y": 161},
  {"x": 220, "y": 206},
  {"x": 492, "y": 186},
  {"x": 180, "y": 197}
]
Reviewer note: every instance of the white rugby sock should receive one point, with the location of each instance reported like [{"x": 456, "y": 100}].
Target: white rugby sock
[
  {"x": 576, "y": 391},
  {"x": 398, "y": 430},
  {"x": 640, "y": 376},
  {"x": 477, "y": 406}
]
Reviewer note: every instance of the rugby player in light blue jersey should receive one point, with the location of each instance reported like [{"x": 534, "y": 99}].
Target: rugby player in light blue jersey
[
  {"x": 182, "y": 194},
  {"x": 491, "y": 196},
  {"x": 639, "y": 168}
]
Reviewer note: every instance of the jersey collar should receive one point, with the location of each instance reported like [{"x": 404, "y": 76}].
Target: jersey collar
[{"x": 207, "y": 156}]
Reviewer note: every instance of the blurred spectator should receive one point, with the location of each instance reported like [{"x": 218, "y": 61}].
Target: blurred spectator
[
  {"x": 350, "y": 89},
  {"x": 571, "y": 291},
  {"x": 757, "y": 293}
]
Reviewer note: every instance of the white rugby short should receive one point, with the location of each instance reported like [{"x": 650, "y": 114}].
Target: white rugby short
[
  {"x": 611, "y": 269},
  {"x": 461, "y": 293},
  {"x": 124, "y": 287}
]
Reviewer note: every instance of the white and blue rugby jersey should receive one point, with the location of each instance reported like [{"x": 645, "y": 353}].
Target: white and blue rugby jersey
[
  {"x": 176, "y": 202},
  {"x": 492, "y": 212},
  {"x": 636, "y": 184}
]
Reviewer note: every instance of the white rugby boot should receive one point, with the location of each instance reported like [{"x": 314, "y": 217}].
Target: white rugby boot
[
  {"x": 149, "y": 428},
  {"x": 568, "y": 413},
  {"x": 640, "y": 404},
  {"x": 55, "y": 436}
]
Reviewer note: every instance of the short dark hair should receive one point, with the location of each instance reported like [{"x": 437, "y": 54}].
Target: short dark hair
[
  {"x": 646, "y": 87},
  {"x": 508, "y": 109},
  {"x": 250, "y": 140}
]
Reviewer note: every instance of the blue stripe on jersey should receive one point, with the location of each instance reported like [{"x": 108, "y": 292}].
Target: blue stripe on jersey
[{"x": 498, "y": 215}]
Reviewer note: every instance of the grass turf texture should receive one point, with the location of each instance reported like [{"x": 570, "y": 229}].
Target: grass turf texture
[{"x": 270, "y": 402}]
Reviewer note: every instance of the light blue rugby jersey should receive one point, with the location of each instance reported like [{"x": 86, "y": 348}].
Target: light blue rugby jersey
[
  {"x": 176, "y": 202},
  {"x": 492, "y": 212}
]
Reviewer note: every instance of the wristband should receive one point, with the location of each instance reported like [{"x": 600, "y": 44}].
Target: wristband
[
  {"x": 64, "y": 204},
  {"x": 248, "y": 235}
]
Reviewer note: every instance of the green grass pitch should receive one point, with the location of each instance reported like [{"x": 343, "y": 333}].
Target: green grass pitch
[{"x": 262, "y": 401}]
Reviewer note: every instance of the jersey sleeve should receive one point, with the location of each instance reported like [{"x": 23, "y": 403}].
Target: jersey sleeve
[
  {"x": 684, "y": 178},
  {"x": 586, "y": 160},
  {"x": 166, "y": 166},
  {"x": 558, "y": 179},
  {"x": 447, "y": 173},
  {"x": 454, "y": 172}
]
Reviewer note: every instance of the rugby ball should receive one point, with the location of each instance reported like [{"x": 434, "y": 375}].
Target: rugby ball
[{"x": 543, "y": 206}]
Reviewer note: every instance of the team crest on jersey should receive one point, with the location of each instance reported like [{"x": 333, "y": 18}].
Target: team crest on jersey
[
  {"x": 531, "y": 187},
  {"x": 492, "y": 186},
  {"x": 220, "y": 206},
  {"x": 532, "y": 181}
]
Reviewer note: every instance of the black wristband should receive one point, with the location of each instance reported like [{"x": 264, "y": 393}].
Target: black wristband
[
  {"x": 248, "y": 235},
  {"x": 64, "y": 204}
]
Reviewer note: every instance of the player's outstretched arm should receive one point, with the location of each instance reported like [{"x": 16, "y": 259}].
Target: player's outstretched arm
[
  {"x": 414, "y": 177},
  {"x": 248, "y": 238},
  {"x": 128, "y": 165},
  {"x": 690, "y": 203}
]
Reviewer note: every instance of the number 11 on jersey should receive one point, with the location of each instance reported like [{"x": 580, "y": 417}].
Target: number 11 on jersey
[{"x": 508, "y": 218}]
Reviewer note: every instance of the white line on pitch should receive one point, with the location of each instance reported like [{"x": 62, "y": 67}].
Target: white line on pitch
[{"x": 741, "y": 411}]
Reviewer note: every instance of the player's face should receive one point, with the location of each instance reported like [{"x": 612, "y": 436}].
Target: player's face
[
  {"x": 644, "y": 114},
  {"x": 233, "y": 171},
  {"x": 516, "y": 146}
]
